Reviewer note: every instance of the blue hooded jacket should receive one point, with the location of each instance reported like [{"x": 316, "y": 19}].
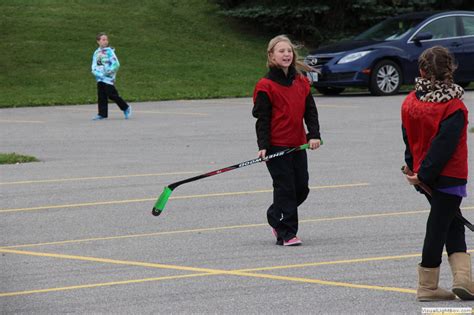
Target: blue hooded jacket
[{"x": 105, "y": 65}]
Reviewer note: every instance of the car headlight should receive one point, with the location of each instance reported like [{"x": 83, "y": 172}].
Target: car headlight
[{"x": 354, "y": 56}]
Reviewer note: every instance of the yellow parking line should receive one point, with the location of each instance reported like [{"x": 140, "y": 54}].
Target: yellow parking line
[
  {"x": 138, "y": 235},
  {"x": 104, "y": 284},
  {"x": 325, "y": 282},
  {"x": 109, "y": 261},
  {"x": 135, "y": 111},
  {"x": 42, "y": 181},
  {"x": 336, "y": 262},
  {"x": 221, "y": 228},
  {"x": 171, "y": 113},
  {"x": 208, "y": 271},
  {"x": 85, "y": 204},
  {"x": 22, "y": 121},
  {"x": 99, "y": 203},
  {"x": 366, "y": 216}
]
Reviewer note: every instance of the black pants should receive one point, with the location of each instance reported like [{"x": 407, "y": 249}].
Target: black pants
[
  {"x": 290, "y": 189},
  {"x": 442, "y": 228},
  {"x": 106, "y": 91}
]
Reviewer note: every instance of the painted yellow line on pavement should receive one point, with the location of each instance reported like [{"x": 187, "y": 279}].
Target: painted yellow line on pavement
[
  {"x": 336, "y": 262},
  {"x": 221, "y": 228},
  {"x": 366, "y": 216},
  {"x": 325, "y": 282},
  {"x": 42, "y": 181},
  {"x": 211, "y": 229},
  {"x": 109, "y": 261},
  {"x": 100, "y": 203},
  {"x": 171, "y": 113},
  {"x": 208, "y": 271},
  {"x": 104, "y": 284},
  {"x": 85, "y": 204},
  {"x": 135, "y": 111},
  {"x": 235, "y": 193},
  {"x": 22, "y": 121},
  {"x": 375, "y": 215}
]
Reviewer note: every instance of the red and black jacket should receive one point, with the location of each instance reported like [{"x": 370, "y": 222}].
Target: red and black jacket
[
  {"x": 435, "y": 135},
  {"x": 281, "y": 102}
]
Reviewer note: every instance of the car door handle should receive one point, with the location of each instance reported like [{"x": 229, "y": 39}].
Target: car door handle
[{"x": 456, "y": 44}]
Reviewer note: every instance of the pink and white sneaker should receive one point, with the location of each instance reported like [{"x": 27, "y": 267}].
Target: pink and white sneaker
[
  {"x": 274, "y": 232},
  {"x": 279, "y": 240},
  {"x": 295, "y": 241}
]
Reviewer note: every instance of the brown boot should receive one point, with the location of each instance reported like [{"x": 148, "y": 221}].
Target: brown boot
[
  {"x": 463, "y": 286},
  {"x": 428, "y": 286}
]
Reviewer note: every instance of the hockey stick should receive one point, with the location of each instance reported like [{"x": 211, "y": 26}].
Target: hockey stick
[
  {"x": 407, "y": 171},
  {"x": 163, "y": 199}
]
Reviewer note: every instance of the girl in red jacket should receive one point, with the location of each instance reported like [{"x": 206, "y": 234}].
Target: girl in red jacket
[
  {"x": 434, "y": 124},
  {"x": 282, "y": 101}
]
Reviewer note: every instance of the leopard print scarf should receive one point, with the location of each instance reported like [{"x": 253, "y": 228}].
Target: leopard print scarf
[{"x": 437, "y": 92}]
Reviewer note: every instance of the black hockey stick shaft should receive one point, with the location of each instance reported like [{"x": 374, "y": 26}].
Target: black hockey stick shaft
[
  {"x": 163, "y": 199},
  {"x": 239, "y": 165},
  {"x": 407, "y": 171}
]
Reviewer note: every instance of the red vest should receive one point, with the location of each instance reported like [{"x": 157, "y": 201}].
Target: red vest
[
  {"x": 422, "y": 120},
  {"x": 288, "y": 108}
]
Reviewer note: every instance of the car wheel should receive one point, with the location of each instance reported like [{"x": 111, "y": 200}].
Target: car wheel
[
  {"x": 330, "y": 90},
  {"x": 463, "y": 84},
  {"x": 386, "y": 78}
]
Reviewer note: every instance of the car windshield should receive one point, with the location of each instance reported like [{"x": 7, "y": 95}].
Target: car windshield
[{"x": 391, "y": 29}]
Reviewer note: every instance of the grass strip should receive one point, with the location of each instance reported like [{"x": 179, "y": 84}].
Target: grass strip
[{"x": 13, "y": 158}]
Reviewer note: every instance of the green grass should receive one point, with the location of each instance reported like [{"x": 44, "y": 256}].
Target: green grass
[
  {"x": 168, "y": 49},
  {"x": 13, "y": 158}
]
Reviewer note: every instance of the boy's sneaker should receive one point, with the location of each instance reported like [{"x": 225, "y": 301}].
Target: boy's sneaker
[
  {"x": 98, "y": 117},
  {"x": 295, "y": 241},
  {"x": 128, "y": 112}
]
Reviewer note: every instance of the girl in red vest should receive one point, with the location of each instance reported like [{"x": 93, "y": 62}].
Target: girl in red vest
[
  {"x": 282, "y": 101},
  {"x": 434, "y": 124}
]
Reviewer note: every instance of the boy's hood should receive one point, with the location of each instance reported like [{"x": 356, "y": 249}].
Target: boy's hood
[{"x": 105, "y": 48}]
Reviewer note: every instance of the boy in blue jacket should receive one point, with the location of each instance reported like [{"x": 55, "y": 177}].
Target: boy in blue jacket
[{"x": 104, "y": 67}]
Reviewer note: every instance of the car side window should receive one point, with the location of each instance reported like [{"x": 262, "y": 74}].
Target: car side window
[
  {"x": 468, "y": 23},
  {"x": 442, "y": 28}
]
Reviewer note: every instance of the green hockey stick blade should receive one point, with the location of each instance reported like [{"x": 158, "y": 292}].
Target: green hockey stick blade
[{"x": 161, "y": 202}]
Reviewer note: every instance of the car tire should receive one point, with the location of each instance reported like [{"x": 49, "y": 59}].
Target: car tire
[
  {"x": 330, "y": 90},
  {"x": 464, "y": 84},
  {"x": 386, "y": 78}
]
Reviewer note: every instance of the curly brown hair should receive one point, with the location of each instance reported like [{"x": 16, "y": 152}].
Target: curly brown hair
[{"x": 437, "y": 64}]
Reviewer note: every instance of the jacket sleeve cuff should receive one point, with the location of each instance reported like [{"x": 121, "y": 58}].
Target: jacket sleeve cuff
[{"x": 310, "y": 136}]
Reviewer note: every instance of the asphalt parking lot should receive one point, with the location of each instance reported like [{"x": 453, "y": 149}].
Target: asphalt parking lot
[{"x": 77, "y": 234}]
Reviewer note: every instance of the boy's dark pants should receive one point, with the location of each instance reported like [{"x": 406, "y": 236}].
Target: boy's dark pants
[
  {"x": 290, "y": 189},
  {"x": 442, "y": 228},
  {"x": 106, "y": 91}
]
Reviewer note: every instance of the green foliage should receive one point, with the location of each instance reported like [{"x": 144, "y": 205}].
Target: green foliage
[
  {"x": 13, "y": 158},
  {"x": 282, "y": 18},
  {"x": 323, "y": 21},
  {"x": 168, "y": 49}
]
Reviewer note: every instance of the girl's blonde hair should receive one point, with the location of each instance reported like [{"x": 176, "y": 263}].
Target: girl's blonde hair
[
  {"x": 438, "y": 64},
  {"x": 295, "y": 63}
]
